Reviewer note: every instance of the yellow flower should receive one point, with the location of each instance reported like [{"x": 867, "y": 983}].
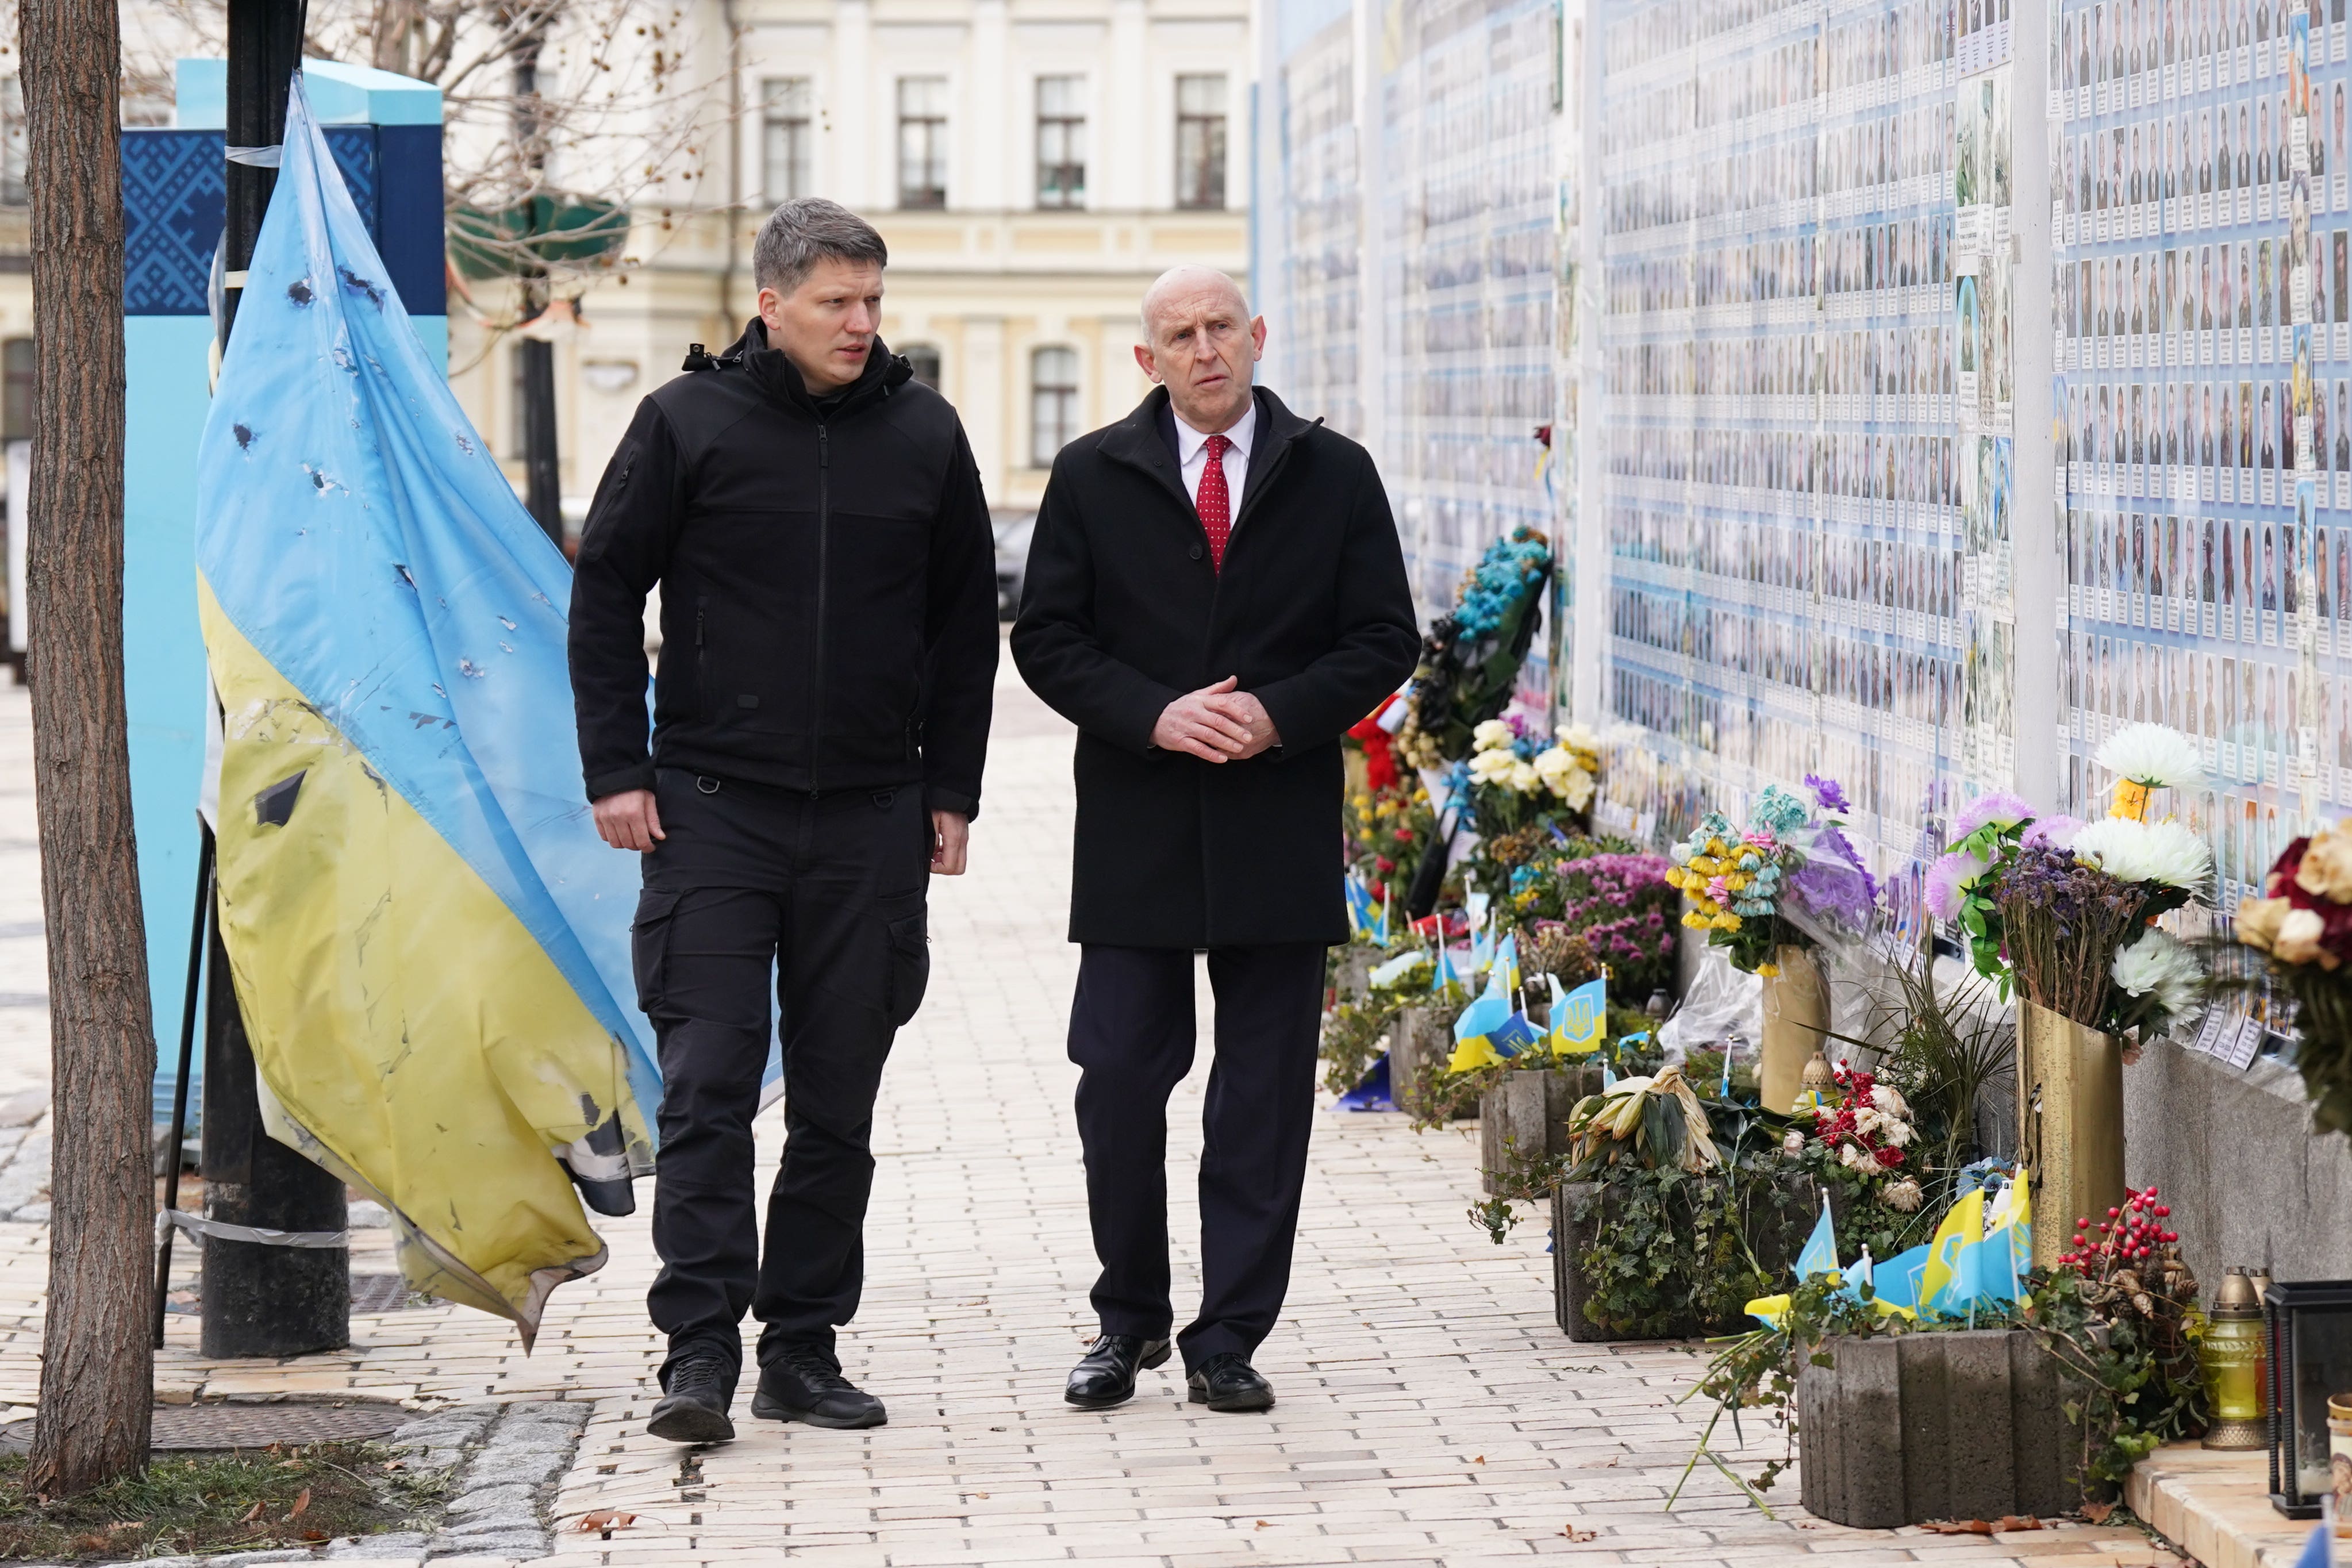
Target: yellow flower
[
  {"x": 1727, "y": 920},
  {"x": 1767, "y": 970},
  {"x": 1696, "y": 920}
]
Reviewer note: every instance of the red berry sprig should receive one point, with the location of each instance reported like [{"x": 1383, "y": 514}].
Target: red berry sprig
[{"x": 2130, "y": 1234}]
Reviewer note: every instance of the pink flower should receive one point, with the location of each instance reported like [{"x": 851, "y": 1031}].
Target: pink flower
[
  {"x": 1997, "y": 806},
  {"x": 2057, "y": 830},
  {"x": 1946, "y": 880},
  {"x": 1718, "y": 892}
]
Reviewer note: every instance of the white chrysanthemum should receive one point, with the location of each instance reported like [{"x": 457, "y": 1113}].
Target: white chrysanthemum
[
  {"x": 1888, "y": 1099},
  {"x": 1523, "y": 778},
  {"x": 1868, "y": 1165},
  {"x": 2156, "y": 755},
  {"x": 1848, "y": 1155},
  {"x": 1904, "y": 1195},
  {"x": 1898, "y": 1133},
  {"x": 2162, "y": 852},
  {"x": 2160, "y": 964},
  {"x": 1867, "y": 1119},
  {"x": 1494, "y": 735},
  {"x": 1493, "y": 767}
]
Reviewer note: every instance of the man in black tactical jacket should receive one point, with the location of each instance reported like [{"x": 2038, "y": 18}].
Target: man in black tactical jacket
[{"x": 814, "y": 519}]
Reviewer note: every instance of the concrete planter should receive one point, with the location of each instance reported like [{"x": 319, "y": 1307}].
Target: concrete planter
[
  {"x": 1902, "y": 1430},
  {"x": 1525, "y": 1117},
  {"x": 1417, "y": 1037},
  {"x": 1579, "y": 1210}
]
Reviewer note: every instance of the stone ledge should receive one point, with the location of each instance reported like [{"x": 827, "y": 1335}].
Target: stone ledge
[{"x": 2217, "y": 1506}]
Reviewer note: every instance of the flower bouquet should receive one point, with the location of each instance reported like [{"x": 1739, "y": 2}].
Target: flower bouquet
[
  {"x": 1525, "y": 797},
  {"x": 1768, "y": 896},
  {"x": 1862, "y": 1128},
  {"x": 1470, "y": 659},
  {"x": 1791, "y": 879},
  {"x": 2305, "y": 925}
]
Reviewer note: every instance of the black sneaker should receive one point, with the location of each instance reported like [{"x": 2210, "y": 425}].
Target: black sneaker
[
  {"x": 804, "y": 1384},
  {"x": 696, "y": 1393}
]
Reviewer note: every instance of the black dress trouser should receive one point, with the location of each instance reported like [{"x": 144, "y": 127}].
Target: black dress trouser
[
  {"x": 1132, "y": 1032},
  {"x": 827, "y": 895}
]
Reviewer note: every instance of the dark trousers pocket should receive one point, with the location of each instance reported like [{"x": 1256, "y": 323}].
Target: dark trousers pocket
[
  {"x": 649, "y": 947},
  {"x": 911, "y": 963}
]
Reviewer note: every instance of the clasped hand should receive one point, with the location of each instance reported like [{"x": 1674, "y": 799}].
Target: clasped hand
[{"x": 1216, "y": 724}]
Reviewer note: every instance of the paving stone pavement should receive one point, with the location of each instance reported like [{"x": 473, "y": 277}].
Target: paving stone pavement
[{"x": 1430, "y": 1411}]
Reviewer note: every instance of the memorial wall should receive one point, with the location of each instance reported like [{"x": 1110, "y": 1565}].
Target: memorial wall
[{"x": 1932, "y": 386}]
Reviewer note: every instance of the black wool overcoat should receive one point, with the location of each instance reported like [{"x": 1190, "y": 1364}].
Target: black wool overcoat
[{"x": 1122, "y": 612}]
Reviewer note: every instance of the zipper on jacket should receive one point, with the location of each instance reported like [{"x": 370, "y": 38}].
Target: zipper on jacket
[{"x": 824, "y": 533}]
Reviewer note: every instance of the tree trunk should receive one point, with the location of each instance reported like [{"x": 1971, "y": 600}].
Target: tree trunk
[{"x": 98, "y": 1368}]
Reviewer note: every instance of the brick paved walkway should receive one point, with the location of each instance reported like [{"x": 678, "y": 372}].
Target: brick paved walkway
[{"x": 1430, "y": 1411}]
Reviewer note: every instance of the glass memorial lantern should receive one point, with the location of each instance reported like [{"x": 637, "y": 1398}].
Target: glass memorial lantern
[{"x": 2310, "y": 1361}]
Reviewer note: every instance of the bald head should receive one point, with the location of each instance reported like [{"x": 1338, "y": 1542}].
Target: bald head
[
  {"x": 1200, "y": 341},
  {"x": 1179, "y": 286}
]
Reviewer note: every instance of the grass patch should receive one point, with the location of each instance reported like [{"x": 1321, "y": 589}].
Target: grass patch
[{"x": 189, "y": 1504}]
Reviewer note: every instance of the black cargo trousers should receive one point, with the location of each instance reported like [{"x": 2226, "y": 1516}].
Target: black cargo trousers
[{"x": 828, "y": 895}]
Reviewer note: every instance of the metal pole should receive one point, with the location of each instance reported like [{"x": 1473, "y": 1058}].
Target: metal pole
[
  {"x": 259, "y": 1301},
  {"x": 199, "y": 931}
]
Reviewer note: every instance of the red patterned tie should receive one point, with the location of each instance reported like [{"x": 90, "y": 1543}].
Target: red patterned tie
[{"x": 1214, "y": 502}]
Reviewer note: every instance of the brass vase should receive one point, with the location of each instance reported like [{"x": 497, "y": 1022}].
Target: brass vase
[
  {"x": 1796, "y": 1018},
  {"x": 2070, "y": 1137}
]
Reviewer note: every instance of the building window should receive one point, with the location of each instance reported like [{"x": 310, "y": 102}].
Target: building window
[
  {"x": 1201, "y": 142},
  {"x": 17, "y": 388},
  {"x": 12, "y": 143},
  {"x": 922, "y": 140},
  {"x": 1053, "y": 404},
  {"x": 1061, "y": 141},
  {"x": 925, "y": 359},
  {"x": 786, "y": 143}
]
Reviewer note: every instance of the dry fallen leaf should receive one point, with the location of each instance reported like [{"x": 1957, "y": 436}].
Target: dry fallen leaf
[
  {"x": 2098, "y": 1512},
  {"x": 300, "y": 1504},
  {"x": 1575, "y": 1534},
  {"x": 1264, "y": 1522},
  {"x": 605, "y": 1519},
  {"x": 251, "y": 1514},
  {"x": 1479, "y": 1460},
  {"x": 2009, "y": 1521},
  {"x": 1957, "y": 1527},
  {"x": 314, "y": 1535}
]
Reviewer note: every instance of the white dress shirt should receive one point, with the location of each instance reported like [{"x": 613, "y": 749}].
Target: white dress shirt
[{"x": 1193, "y": 449}]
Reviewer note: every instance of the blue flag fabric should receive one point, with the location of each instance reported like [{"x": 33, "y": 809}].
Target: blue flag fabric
[
  {"x": 1820, "y": 1255},
  {"x": 430, "y": 941}
]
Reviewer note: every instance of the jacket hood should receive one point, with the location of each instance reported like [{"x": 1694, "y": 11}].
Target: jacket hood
[{"x": 778, "y": 376}]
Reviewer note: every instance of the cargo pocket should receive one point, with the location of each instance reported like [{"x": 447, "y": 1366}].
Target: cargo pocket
[
  {"x": 649, "y": 947},
  {"x": 910, "y": 957}
]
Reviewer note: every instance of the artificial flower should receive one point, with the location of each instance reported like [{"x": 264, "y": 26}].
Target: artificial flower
[
  {"x": 2057, "y": 830},
  {"x": 2326, "y": 869},
  {"x": 1949, "y": 881},
  {"x": 2258, "y": 920},
  {"x": 1523, "y": 778},
  {"x": 2299, "y": 937},
  {"x": 1494, "y": 767},
  {"x": 2159, "y": 965},
  {"x": 2133, "y": 851},
  {"x": 1493, "y": 735},
  {"x": 1829, "y": 792},
  {"x": 1999, "y": 806},
  {"x": 2154, "y": 756},
  {"x": 1794, "y": 1143},
  {"x": 1904, "y": 1195},
  {"x": 1888, "y": 1100}
]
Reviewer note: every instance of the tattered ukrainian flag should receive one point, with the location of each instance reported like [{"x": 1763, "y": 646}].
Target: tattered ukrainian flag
[{"x": 430, "y": 943}]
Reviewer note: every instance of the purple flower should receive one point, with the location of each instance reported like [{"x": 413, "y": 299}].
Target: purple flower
[
  {"x": 1944, "y": 891},
  {"x": 1999, "y": 806},
  {"x": 2056, "y": 831},
  {"x": 1829, "y": 792}
]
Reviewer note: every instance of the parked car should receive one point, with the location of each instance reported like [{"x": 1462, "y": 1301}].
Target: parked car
[{"x": 1012, "y": 531}]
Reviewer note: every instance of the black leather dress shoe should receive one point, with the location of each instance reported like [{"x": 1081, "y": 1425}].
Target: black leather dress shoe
[
  {"x": 804, "y": 1384},
  {"x": 1105, "y": 1376},
  {"x": 1227, "y": 1382},
  {"x": 695, "y": 1397}
]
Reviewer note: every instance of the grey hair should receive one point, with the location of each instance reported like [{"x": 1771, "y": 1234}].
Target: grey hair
[{"x": 804, "y": 231}]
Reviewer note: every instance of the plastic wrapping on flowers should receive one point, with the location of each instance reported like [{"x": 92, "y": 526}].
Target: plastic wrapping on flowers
[
  {"x": 2303, "y": 924},
  {"x": 1789, "y": 878}
]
